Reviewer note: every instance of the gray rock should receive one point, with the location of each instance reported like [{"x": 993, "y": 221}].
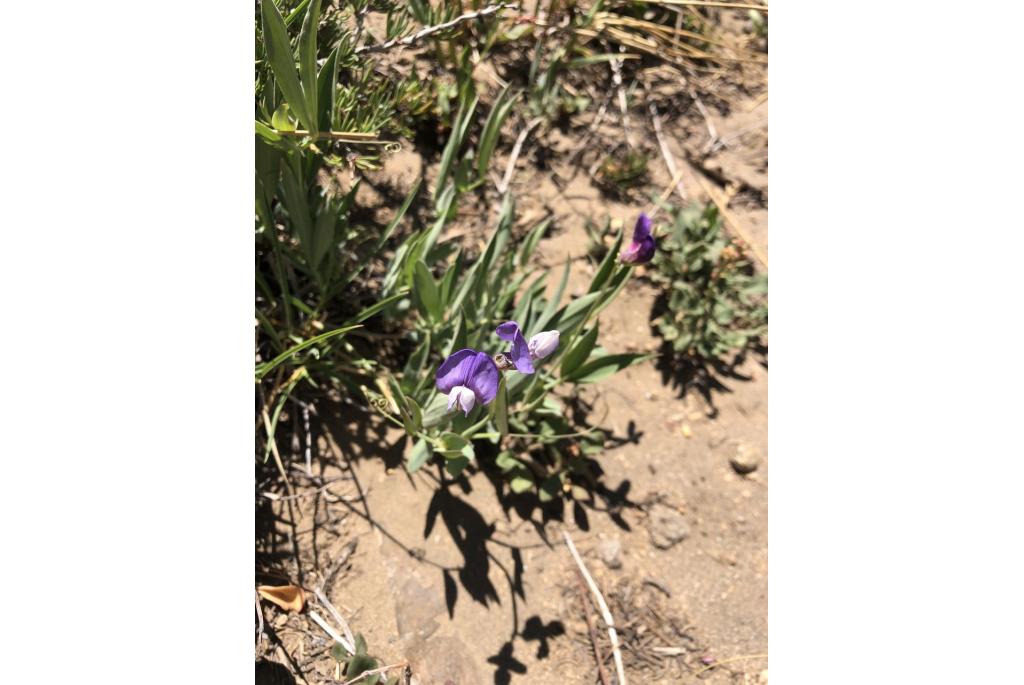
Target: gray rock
[
  {"x": 745, "y": 460},
  {"x": 666, "y": 526},
  {"x": 443, "y": 659},
  {"x": 610, "y": 552},
  {"x": 417, "y": 609}
]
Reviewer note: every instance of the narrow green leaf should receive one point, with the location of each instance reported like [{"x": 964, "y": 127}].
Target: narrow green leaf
[
  {"x": 377, "y": 307},
  {"x": 552, "y": 305},
  {"x": 421, "y": 452},
  {"x": 297, "y": 206},
  {"x": 307, "y": 60},
  {"x": 575, "y": 357},
  {"x": 267, "y": 133},
  {"x": 492, "y": 129},
  {"x": 605, "y": 270},
  {"x": 282, "y": 61},
  {"x": 326, "y": 85},
  {"x": 499, "y": 408},
  {"x": 602, "y": 367},
  {"x": 425, "y": 292},
  {"x": 263, "y": 369},
  {"x": 458, "y": 134}
]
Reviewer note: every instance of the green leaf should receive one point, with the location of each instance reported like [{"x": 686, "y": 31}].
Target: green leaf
[
  {"x": 267, "y": 133},
  {"x": 326, "y": 84},
  {"x": 605, "y": 270},
  {"x": 520, "y": 484},
  {"x": 492, "y": 129},
  {"x": 307, "y": 60},
  {"x": 455, "y": 465},
  {"x": 549, "y": 488},
  {"x": 360, "y": 663},
  {"x": 323, "y": 233},
  {"x": 421, "y": 452},
  {"x": 282, "y": 62},
  {"x": 454, "y": 445},
  {"x": 339, "y": 653},
  {"x": 602, "y": 367},
  {"x": 458, "y": 133},
  {"x": 575, "y": 357},
  {"x": 425, "y": 292},
  {"x": 360, "y": 645},
  {"x": 297, "y": 206},
  {"x": 377, "y": 307},
  {"x": 506, "y": 462},
  {"x": 552, "y": 304},
  {"x": 263, "y": 369},
  {"x": 499, "y": 408}
]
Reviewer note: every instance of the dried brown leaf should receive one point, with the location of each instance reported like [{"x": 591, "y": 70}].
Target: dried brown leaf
[{"x": 290, "y": 597}]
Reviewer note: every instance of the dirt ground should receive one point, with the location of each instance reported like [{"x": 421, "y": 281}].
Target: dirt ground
[{"x": 472, "y": 587}]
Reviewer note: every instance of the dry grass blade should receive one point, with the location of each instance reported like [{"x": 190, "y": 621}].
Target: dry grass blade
[
  {"x": 427, "y": 30},
  {"x": 337, "y": 616},
  {"x": 709, "y": 3},
  {"x": 606, "y": 614}
]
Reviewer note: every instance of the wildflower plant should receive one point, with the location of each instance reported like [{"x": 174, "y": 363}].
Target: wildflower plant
[
  {"x": 494, "y": 353},
  {"x": 715, "y": 302}
]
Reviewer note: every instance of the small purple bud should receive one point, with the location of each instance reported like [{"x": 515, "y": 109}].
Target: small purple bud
[
  {"x": 543, "y": 344},
  {"x": 641, "y": 249}
]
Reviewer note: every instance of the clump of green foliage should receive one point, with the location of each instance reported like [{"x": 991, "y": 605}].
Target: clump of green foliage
[
  {"x": 329, "y": 287},
  {"x": 715, "y": 301}
]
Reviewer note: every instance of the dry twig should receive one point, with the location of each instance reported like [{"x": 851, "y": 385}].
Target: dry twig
[
  {"x": 511, "y": 166},
  {"x": 428, "y": 30},
  {"x": 602, "y": 605},
  {"x": 590, "y": 629},
  {"x": 318, "y": 619}
]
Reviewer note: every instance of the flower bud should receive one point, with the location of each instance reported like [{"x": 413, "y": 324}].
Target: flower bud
[{"x": 543, "y": 344}]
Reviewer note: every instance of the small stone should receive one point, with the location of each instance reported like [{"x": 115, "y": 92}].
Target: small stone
[
  {"x": 686, "y": 431},
  {"x": 610, "y": 552},
  {"x": 666, "y": 526},
  {"x": 417, "y": 609},
  {"x": 745, "y": 460}
]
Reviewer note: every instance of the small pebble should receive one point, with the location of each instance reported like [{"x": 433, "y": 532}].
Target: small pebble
[{"x": 745, "y": 460}]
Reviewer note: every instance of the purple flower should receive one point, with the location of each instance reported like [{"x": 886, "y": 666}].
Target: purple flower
[
  {"x": 641, "y": 250},
  {"x": 520, "y": 353},
  {"x": 468, "y": 377}
]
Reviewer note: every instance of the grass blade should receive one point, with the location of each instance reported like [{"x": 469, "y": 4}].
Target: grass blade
[
  {"x": 282, "y": 62},
  {"x": 263, "y": 369},
  {"x": 307, "y": 60}
]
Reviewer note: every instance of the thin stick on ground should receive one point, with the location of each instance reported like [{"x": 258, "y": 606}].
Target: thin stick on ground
[
  {"x": 616, "y": 66},
  {"x": 726, "y": 661},
  {"x": 602, "y": 605},
  {"x": 511, "y": 166},
  {"x": 590, "y": 629},
  {"x": 666, "y": 153},
  {"x": 427, "y": 30},
  {"x": 736, "y": 226}
]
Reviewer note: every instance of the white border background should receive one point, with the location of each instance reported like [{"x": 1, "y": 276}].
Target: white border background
[{"x": 127, "y": 335}]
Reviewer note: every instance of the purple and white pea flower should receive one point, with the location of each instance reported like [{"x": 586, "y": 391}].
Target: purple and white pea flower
[
  {"x": 641, "y": 249},
  {"x": 468, "y": 377},
  {"x": 524, "y": 353}
]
